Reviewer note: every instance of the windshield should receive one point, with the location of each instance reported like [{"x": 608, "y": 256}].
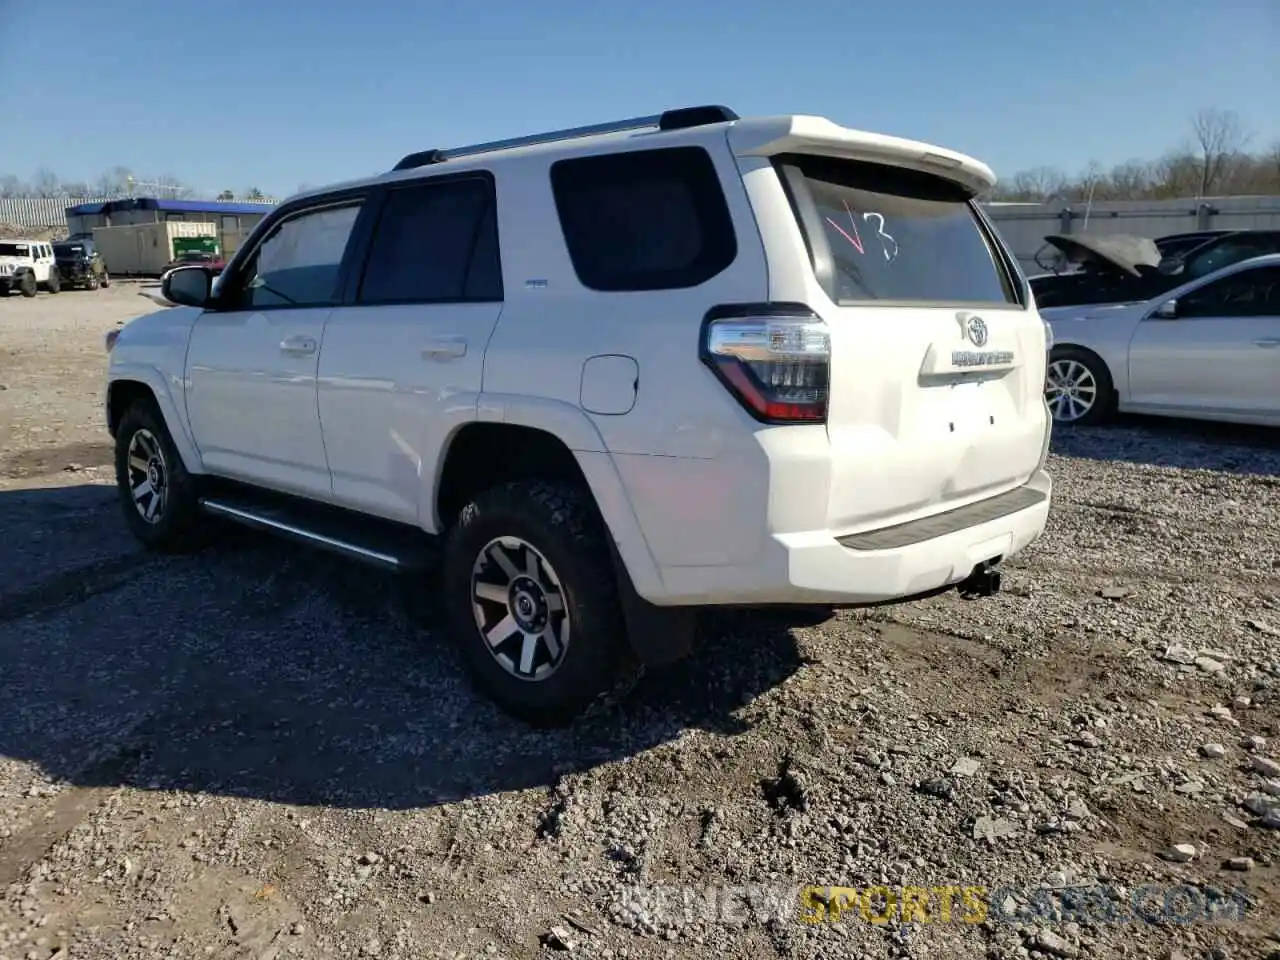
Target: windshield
[
  {"x": 14, "y": 250},
  {"x": 898, "y": 235}
]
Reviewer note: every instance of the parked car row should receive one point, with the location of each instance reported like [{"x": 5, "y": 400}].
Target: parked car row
[
  {"x": 1186, "y": 325},
  {"x": 32, "y": 265}
]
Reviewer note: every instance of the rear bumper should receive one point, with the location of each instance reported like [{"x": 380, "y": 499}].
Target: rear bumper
[{"x": 889, "y": 564}]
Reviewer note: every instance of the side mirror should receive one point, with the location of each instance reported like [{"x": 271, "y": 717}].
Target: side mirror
[
  {"x": 1167, "y": 310},
  {"x": 187, "y": 286}
]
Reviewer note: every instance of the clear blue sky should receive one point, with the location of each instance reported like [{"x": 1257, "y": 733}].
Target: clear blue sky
[{"x": 232, "y": 93}]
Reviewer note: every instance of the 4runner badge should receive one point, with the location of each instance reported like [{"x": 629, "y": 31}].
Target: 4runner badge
[{"x": 974, "y": 330}]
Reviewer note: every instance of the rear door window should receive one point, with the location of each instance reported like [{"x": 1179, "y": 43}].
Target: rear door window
[
  {"x": 435, "y": 242},
  {"x": 888, "y": 234}
]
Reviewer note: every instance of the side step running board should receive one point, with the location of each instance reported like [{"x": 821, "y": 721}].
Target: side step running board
[{"x": 335, "y": 534}]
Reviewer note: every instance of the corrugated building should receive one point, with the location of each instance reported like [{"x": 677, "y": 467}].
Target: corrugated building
[
  {"x": 40, "y": 212},
  {"x": 233, "y": 220}
]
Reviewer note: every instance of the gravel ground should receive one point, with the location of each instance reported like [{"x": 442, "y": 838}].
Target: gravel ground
[{"x": 257, "y": 753}]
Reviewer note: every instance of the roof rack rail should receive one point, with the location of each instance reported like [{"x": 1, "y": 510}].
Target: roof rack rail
[{"x": 678, "y": 119}]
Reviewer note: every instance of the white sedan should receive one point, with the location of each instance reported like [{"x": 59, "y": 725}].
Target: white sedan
[{"x": 1207, "y": 350}]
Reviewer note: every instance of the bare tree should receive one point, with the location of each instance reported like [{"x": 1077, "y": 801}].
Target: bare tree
[
  {"x": 113, "y": 183},
  {"x": 45, "y": 183},
  {"x": 1220, "y": 137},
  {"x": 1040, "y": 183},
  {"x": 1129, "y": 179}
]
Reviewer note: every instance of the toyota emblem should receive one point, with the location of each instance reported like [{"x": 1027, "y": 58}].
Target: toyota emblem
[{"x": 976, "y": 330}]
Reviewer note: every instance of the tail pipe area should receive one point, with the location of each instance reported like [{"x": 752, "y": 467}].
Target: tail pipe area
[{"x": 984, "y": 581}]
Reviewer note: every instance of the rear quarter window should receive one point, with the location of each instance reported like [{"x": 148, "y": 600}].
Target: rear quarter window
[
  {"x": 644, "y": 220},
  {"x": 882, "y": 233}
]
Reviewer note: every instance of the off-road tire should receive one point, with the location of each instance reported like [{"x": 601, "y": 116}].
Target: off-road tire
[
  {"x": 92, "y": 282},
  {"x": 180, "y": 525},
  {"x": 559, "y": 521},
  {"x": 54, "y": 284},
  {"x": 106, "y": 280},
  {"x": 27, "y": 285}
]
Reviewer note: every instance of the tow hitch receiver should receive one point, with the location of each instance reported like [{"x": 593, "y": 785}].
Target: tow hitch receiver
[{"x": 984, "y": 581}]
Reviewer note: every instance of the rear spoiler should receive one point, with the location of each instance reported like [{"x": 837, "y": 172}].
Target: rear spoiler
[{"x": 770, "y": 136}]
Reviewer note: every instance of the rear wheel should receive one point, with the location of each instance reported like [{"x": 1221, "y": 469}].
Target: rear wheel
[
  {"x": 27, "y": 285},
  {"x": 1078, "y": 387},
  {"x": 157, "y": 494},
  {"x": 106, "y": 280},
  {"x": 533, "y": 601},
  {"x": 55, "y": 282}
]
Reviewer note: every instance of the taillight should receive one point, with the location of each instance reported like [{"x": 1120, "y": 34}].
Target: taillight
[{"x": 774, "y": 358}]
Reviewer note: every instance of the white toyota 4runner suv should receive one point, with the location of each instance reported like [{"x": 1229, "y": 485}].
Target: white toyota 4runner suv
[{"x": 607, "y": 376}]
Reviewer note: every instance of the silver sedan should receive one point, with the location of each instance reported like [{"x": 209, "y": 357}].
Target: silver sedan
[{"x": 1208, "y": 350}]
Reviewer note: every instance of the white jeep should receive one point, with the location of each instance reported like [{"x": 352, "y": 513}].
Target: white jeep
[
  {"x": 605, "y": 377},
  {"x": 26, "y": 266}
]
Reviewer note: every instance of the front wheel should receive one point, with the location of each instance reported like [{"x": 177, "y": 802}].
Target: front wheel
[
  {"x": 157, "y": 494},
  {"x": 27, "y": 285},
  {"x": 532, "y": 599},
  {"x": 1078, "y": 387},
  {"x": 92, "y": 282}
]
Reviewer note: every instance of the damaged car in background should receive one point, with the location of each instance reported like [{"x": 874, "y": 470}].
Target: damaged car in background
[
  {"x": 1207, "y": 349},
  {"x": 1089, "y": 269},
  {"x": 79, "y": 264}
]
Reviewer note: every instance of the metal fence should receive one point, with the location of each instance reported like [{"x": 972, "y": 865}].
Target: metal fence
[
  {"x": 43, "y": 212},
  {"x": 1025, "y": 225}
]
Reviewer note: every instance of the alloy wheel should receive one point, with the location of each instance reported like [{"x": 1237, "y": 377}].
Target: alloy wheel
[
  {"x": 1071, "y": 390},
  {"x": 520, "y": 609},
  {"x": 148, "y": 476}
]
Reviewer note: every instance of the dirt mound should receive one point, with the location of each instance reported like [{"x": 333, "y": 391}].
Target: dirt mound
[{"x": 31, "y": 233}]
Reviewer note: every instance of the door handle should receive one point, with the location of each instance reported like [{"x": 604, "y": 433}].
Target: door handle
[
  {"x": 445, "y": 348},
  {"x": 299, "y": 345},
  {"x": 1267, "y": 342}
]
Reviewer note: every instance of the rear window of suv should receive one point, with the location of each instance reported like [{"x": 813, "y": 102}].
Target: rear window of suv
[
  {"x": 888, "y": 234},
  {"x": 645, "y": 219}
]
